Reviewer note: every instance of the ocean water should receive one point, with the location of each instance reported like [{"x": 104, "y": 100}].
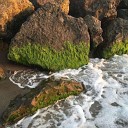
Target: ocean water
[{"x": 104, "y": 103}]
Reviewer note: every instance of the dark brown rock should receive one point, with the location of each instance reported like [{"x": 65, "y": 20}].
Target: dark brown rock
[
  {"x": 45, "y": 94},
  {"x": 48, "y": 25},
  {"x": 12, "y": 14},
  {"x": 115, "y": 39},
  {"x": 51, "y": 39},
  {"x": 63, "y": 4},
  {"x": 116, "y": 31},
  {"x": 123, "y": 13},
  {"x": 123, "y": 4},
  {"x": 97, "y": 8},
  {"x": 94, "y": 26}
]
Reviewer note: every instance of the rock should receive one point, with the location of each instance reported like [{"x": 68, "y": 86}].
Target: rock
[
  {"x": 47, "y": 93},
  {"x": 122, "y": 13},
  {"x": 94, "y": 26},
  {"x": 123, "y": 4},
  {"x": 63, "y": 4},
  {"x": 2, "y": 73},
  {"x": 52, "y": 40},
  {"x": 12, "y": 14},
  {"x": 115, "y": 39},
  {"x": 97, "y": 8},
  {"x": 3, "y": 46}
]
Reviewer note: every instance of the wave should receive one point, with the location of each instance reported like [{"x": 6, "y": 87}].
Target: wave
[{"x": 104, "y": 105}]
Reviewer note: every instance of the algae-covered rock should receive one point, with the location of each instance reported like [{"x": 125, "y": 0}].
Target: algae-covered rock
[
  {"x": 12, "y": 14},
  {"x": 115, "y": 39},
  {"x": 47, "y": 93},
  {"x": 52, "y": 40}
]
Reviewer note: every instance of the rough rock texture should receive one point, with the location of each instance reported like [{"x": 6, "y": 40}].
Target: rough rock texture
[
  {"x": 123, "y": 13},
  {"x": 48, "y": 30},
  {"x": 49, "y": 25},
  {"x": 115, "y": 38},
  {"x": 45, "y": 94},
  {"x": 94, "y": 26},
  {"x": 12, "y": 14},
  {"x": 123, "y": 4},
  {"x": 97, "y": 8},
  {"x": 63, "y": 4}
]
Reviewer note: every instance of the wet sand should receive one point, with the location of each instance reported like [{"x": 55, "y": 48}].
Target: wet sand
[{"x": 8, "y": 91}]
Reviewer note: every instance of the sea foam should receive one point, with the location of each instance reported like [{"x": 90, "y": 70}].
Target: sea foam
[{"x": 104, "y": 104}]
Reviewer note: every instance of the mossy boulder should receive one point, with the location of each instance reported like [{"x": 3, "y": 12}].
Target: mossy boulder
[
  {"x": 115, "y": 39},
  {"x": 52, "y": 40},
  {"x": 47, "y": 93},
  {"x": 71, "y": 56},
  {"x": 12, "y": 14}
]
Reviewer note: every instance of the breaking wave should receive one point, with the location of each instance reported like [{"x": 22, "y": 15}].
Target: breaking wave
[{"x": 104, "y": 105}]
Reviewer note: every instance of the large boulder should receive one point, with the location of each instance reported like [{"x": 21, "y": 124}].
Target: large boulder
[
  {"x": 12, "y": 14},
  {"x": 52, "y": 40},
  {"x": 115, "y": 39},
  {"x": 47, "y": 93},
  {"x": 97, "y": 8},
  {"x": 94, "y": 26},
  {"x": 63, "y": 4}
]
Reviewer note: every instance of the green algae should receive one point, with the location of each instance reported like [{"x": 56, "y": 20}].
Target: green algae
[
  {"x": 118, "y": 48},
  {"x": 53, "y": 91},
  {"x": 71, "y": 55}
]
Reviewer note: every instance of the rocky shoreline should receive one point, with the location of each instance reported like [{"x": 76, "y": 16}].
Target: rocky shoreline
[
  {"x": 60, "y": 34},
  {"x": 45, "y": 28}
]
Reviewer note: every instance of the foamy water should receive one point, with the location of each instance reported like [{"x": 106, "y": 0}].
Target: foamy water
[{"x": 104, "y": 105}]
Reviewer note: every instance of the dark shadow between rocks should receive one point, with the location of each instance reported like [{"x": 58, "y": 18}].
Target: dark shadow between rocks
[
  {"x": 76, "y": 8},
  {"x": 35, "y": 4}
]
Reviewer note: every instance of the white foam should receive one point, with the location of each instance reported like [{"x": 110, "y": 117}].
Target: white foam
[
  {"x": 104, "y": 105},
  {"x": 28, "y": 78}
]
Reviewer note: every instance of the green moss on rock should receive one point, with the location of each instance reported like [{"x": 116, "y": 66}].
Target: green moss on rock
[
  {"x": 118, "y": 48},
  {"x": 71, "y": 55},
  {"x": 48, "y": 92}
]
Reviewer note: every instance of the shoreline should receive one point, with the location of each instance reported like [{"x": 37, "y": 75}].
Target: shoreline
[{"x": 8, "y": 90}]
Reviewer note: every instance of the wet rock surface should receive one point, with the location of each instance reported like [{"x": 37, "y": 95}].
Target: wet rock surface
[{"x": 47, "y": 93}]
